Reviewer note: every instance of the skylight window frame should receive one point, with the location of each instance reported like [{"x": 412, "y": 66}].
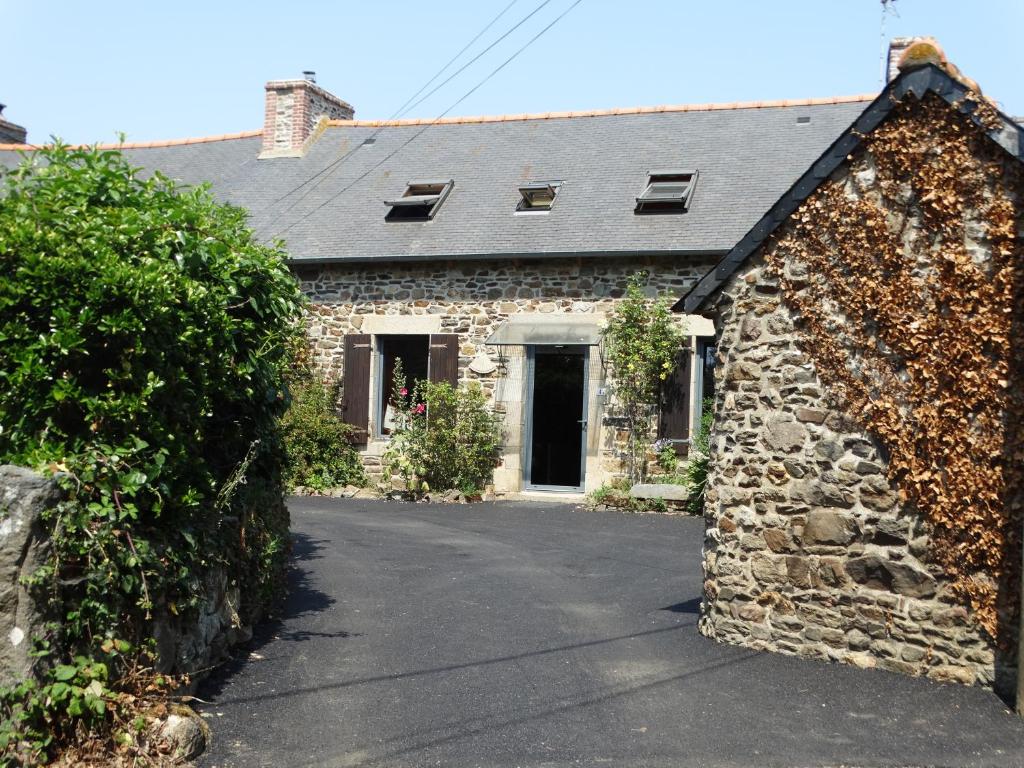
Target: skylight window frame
[
  {"x": 523, "y": 206},
  {"x": 402, "y": 208},
  {"x": 647, "y": 203}
]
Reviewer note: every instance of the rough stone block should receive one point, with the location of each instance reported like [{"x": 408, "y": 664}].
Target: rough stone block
[
  {"x": 665, "y": 491},
  {"x": 810, "y": 415},
  {"x": 798, "y": 570},
  {"x": 875, "y": 572},
  {"x": 857, "y": 640},
  {"x": 828, "y": 528},
  {"x": 24, "y": 548},
  {"x": 750, "y": 328},
  {"x": 768, "y": 569},
  {"x": 777, "y": 540},
  {"x": 743, "y": 370},
  {"x": 785, "y": 436}
]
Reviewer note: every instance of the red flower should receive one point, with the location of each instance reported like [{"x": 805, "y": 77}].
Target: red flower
[
  {"x": 404, "y": 391},
  {"x": 421, "y": 408}
]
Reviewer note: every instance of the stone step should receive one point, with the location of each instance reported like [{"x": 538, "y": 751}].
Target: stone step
[{"x": 665, "y": 491}]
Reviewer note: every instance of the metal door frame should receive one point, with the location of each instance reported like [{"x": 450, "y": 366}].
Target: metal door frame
[{"x": 531, "y": 354}]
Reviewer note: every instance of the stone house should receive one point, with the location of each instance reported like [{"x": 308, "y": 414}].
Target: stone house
[
  {"x": 865, "y": 497},
  {"x": 813, "y": 241},
  {"x": 490, "y": 249}
]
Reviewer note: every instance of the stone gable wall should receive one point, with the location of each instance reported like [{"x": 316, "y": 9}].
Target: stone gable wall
[{"x": 808, "y": 549}]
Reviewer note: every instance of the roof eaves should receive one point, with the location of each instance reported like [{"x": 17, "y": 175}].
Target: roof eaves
[
  {"x": 918, "y": 82},
  {"x": 299, "y": 261}
]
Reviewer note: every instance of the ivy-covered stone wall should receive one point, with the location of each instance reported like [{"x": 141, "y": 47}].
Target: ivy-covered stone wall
[{"x": 864, "y": 495}]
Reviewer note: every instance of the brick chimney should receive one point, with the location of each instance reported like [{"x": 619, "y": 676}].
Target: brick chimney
[
  {"x": 897, "y": 47},
  {"x": 293, "y": 110},
  {"x": 9, "y": 132}
]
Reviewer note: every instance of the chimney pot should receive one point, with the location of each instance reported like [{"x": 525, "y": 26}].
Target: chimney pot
[{"x": 309, "y": 75}]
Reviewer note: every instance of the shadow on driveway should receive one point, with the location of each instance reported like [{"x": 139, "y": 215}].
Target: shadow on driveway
[{"x": 542, "y": 635}]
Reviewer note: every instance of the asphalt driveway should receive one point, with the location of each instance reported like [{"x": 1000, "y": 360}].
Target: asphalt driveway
[{"x": 515, "y": 634}]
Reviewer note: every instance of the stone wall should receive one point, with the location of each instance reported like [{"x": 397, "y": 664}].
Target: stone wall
[
  {"x": 808, "y": 549},
  {"x": 472, "y": 299},
  {"x": 188, "y": 643},
  {"x": 24, "y": 548}
]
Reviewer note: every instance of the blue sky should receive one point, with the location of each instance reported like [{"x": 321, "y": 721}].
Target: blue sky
[{"x": 84, "y": 71}]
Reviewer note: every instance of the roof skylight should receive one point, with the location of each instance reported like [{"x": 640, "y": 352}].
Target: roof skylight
[
  {"x": 420, "y": 201},
  {"x": 537, "y": 195},
  {"x": 667, "y": 192}
]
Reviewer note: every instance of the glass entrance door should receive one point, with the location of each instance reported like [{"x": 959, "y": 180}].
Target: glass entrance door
[{"x": 557, "y": 429}]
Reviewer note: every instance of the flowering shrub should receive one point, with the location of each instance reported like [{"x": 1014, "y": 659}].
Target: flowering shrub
[
  {"x": 445, "y": 437},
  {"x": 665, "y": 454}
]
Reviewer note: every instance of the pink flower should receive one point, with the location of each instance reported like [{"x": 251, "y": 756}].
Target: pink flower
[
  {"x": 421, "y": 408},
  {"x": 404, "y": 391}
]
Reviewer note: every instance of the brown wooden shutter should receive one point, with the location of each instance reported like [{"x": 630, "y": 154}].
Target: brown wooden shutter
[
  {"x": 674, "y": 420},
  {"x": 444, "y": 358},
  {"x": 355, "y": 398}
]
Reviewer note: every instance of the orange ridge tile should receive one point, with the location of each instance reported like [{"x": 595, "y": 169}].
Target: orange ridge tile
[
  {"x": 604, "y": 112},
  {"x": 143, "y": 144}
]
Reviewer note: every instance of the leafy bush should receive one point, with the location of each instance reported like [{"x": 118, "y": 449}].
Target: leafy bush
[
  {"x": 143, "y": 339},
  {"x": 665, "y": 455},
  {"x": 446, "y": 438},
  {"x": 317, "y": 442},
  {"x": 696, "y": 469},
  {"x": 79, "y": 704}
]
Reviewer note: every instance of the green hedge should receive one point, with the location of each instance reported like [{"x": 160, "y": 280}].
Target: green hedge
[{"x": 144, "y": 334}]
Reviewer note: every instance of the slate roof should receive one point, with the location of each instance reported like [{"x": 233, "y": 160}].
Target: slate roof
[
  {"x": 747, "y": 155},
  {"x": 916, "y": 83}
]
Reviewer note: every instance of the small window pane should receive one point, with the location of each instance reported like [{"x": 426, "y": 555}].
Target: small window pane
[{"x": 538, "y": 195}]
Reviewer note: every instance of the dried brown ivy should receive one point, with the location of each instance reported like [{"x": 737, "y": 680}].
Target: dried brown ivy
[{"x": 913, "y": 330}]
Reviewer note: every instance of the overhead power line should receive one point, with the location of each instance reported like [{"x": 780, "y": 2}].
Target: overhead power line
[
  {"x": 451, "y": 61},
  {"x": 328, "y": 169},
  {"x": 475, "y": 59},
  {"x": 420, "y": 132}
]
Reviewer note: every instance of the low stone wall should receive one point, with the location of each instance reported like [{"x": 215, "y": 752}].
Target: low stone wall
[
  {"x": 808, "y": 549},
  {"x": 187, "y": 644},
  {"x": 203, "y": 640}
]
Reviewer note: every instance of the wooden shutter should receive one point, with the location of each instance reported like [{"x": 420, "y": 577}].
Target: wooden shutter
[
  {"x": 355, "y": 399},
  {"x": 674, "y": 420},
  {"x": 444, "y": 358}
]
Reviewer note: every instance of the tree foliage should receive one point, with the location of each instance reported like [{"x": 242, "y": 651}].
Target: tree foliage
[{"x": 641, "y": 342}]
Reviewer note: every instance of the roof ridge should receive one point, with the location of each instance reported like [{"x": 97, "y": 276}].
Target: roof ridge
[
  {"x": 144, "y": 144},
  {"x": 710, "y": 107}
]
